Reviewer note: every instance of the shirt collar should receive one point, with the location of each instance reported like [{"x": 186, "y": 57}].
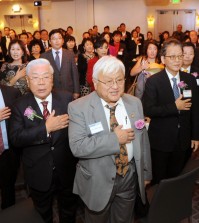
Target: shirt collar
[
  {"x": 188, "y": 69},
  {"x": 170, "y": 76},
  {"x": 48, "y": 99},
  {"x": 104, "y": 103}
]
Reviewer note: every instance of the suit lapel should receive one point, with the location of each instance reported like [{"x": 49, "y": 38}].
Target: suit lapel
[
  {"x": 52, "y": 61},
  {"x": 98, "y": 114}
]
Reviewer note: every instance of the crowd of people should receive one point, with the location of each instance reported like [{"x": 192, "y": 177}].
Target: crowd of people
[{"x": 65, "y": 115}]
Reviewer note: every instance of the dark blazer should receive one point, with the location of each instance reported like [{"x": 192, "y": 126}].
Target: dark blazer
[
  {"x": 42, "y": 154},
  {"x": 67, "y": 78},
  {"x": 170, "y": 129},
  {"x": 42, "y": 46},
  {"x": 4, "y": 49},
  {"x": 8, "y": 160}
]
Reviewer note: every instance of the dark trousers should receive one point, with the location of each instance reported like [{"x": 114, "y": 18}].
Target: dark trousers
[
  {"x": 66, "y": 201},
  {"x": 121, "y": 204},
  {"x": 167, "y": 164},
  {"x": 9, "y": 164}
]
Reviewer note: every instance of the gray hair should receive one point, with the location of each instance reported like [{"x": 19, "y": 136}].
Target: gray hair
[
  {"x": 108, "y": 65},
  {"x": 38, "y": 62}
]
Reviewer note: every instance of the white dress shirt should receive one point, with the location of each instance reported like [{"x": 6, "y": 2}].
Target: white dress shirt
[
  {"x": 170, "y": 76},
  {"x": 122, "y": 119},
  {"x": 48, "y": 99}
]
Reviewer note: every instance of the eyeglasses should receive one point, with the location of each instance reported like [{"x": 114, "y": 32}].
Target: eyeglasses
[
  {"x": 38, "y": 79},
  {"x": 112, "y": 82},
  {"x": 174, "y": 57}
]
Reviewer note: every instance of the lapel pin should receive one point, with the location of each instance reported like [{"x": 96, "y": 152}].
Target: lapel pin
[{"x": 132, "y": 115}]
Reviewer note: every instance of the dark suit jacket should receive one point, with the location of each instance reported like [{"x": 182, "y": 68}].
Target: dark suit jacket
[
  {"x": 4, "y": 49},
  {"x": 8, "y": 160},
  {"x": 42, "y": 46},
  {"x": 42, "y": 154},
  {"x": 170, "y": 129},
  {"x": 67, "y": 78}
]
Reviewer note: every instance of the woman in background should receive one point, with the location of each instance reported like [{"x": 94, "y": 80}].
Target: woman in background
[
  {"x": 82, "y": 63},
  {"x": 146, "y": 66},
  {"x": 71, "y": 45},
  {"x": 13, "y": 72},
  {"x": 101, "y": 49}
]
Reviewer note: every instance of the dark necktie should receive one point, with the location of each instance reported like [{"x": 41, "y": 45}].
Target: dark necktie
[
  {"x": 121, "y": 159},
  {"x": 175, "y": 88},
  {"x": 57, "y": 60},
  {"x": 45, "y": 45},
  {"x": 1, "y": 142},
  {"x": 46, "y": 113}
]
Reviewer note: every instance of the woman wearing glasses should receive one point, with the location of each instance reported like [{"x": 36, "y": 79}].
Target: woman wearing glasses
[{"x": 13, "y": 73}]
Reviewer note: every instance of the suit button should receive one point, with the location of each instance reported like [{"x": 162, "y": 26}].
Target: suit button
[
  {"x": 113, "y": 178},
  {"x": 52, "y": 148},
  {"x": 54, "y": 168}
]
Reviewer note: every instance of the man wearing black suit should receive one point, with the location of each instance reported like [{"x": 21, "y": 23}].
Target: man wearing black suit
[
  {"x": 66, "y": 75},
  {"x": 9, "y": 161},
  {"x": 45, "y": 44},
  {"x": 194, "y": 38},
  {"x": 140, "y": 35},
  {"x": 5, "y": 40},
  {"x": 49, "y": 165},
  {"x": 126, "y": 36},
  {"x": 173, "y": 110}
]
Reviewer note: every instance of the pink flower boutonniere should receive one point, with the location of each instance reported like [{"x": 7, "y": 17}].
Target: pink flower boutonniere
[
  {"x": 139, "y": 124},
  {"x": 195, "y": 74},
  {"x": 182, "y": 85},
  {"x": 30, "y": 113}
]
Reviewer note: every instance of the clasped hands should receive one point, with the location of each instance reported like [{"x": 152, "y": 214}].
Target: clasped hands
[
  {"x": 54, "y": 123},
  {"x": 183, "y": 104},
  {"x": 124, "y": 135}
]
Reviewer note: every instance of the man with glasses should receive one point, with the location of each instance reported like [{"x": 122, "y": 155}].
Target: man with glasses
[
  {"x": 39, "y": 130},
  {"x": 171, "y": 102},
  {"x": 113, "y": 151}
]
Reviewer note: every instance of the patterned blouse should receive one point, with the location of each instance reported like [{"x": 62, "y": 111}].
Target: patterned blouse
[{"x": 8, "y": 71}]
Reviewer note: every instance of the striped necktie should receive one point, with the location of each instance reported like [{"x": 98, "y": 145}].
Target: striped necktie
[
  {"x": 121, "y": 159},
  {"x": 46, "y": 113},
  {"x": 175, "y": 88}
]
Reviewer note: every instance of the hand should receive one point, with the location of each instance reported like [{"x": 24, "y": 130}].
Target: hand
[
  {"x": 21, "y": 73},
  {"x": 183, "y": 104},
  {"x": 145, "y": 65},
  {"x": 194, "y": 145},
  {"x": 5, "y": 113},
  {"x": 54, "y": 123},
  {"x": 147, "y": 182},
  {"x": 75, "y": 96},
  {"x": 124, "y": 135}
]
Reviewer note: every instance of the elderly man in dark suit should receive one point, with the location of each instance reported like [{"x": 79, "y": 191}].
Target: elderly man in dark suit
[
  {"x": 9, "y": 161},
  {"x": 39, "y": 129},
  {"x": 113, "y": 151},
  {"x": 66, "y": 75},
  {"x": 171, "y": 101}
]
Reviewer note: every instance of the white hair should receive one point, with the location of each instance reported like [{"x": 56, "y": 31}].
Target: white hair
[
  {"x": 108, "y": 65},
  {"x": 38, "y": 62}
]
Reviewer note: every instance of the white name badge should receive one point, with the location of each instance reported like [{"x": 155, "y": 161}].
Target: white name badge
[
  {"x": 96, "y": 127},
  {"x": 187, "y": 93},
  {"x": 197, "y": 81},
  {"x": 120, "y": 53}
]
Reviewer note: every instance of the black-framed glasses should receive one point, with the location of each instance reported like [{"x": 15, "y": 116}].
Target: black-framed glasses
[
  {"x": 112, "y": 82},
  {"x": 174, "y": 57}
]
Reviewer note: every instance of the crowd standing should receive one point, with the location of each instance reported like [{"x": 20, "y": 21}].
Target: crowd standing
[{"x": 75, "y": 116}]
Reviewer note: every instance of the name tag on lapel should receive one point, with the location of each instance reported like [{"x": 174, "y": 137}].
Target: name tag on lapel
[
  {"x": 187, "y": 93},
  {"x": 96, "y": 127}
]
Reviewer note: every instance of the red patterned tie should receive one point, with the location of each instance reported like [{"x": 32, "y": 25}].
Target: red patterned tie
[
  {"x": 1, "y": 142},
  {"x": 46, "y": 113},
  {"x": 121, "y": 159}
]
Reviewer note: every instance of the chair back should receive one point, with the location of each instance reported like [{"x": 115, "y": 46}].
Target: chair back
[{"x": 172, "y": 201}]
